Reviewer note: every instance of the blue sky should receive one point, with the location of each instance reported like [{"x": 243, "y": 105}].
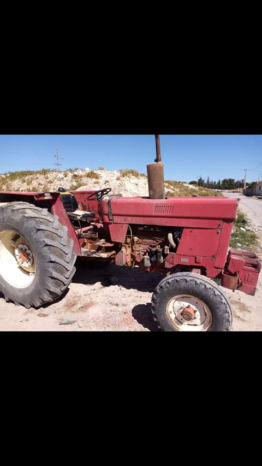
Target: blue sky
[{"x": 185, "y": 157}]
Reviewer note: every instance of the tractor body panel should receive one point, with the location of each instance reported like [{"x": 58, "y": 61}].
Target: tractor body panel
[
  {"x": 207, "y": 225},
  {"x": 136, "y": 230},
  {"x": 50, "y": 201},
  {"x": 187, "y": 211}
]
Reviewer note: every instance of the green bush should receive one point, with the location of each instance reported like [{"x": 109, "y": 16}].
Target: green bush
[
  {"x": 75, "y": 187},
  {"x": 93, "y": 175},
  {"x": 12, "y": 176},
  {"x": 247, "y": 238},
  {"x": 241, "y": 219},
  {"x": 128, "y": 173}
]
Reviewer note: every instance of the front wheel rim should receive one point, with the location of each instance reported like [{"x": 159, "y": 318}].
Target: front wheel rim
[
  {"x": 17, "y": 263},
  {"x": 189, "y": 313}
]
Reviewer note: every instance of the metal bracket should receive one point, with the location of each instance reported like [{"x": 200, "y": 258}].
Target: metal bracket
[{"x": 110, "y": 215}]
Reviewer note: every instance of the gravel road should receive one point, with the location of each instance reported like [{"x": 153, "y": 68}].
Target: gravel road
[{"x": 251, "y": 206}]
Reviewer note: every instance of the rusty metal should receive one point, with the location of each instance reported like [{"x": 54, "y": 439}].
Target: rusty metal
[
  {"x": 104, "y": 244},
  {"x": 95, "y": 244},
  {"x": 81, "y": 206},
  {"x": 89, "y": 244},
  {"x": 195, "y": 270},
  {"x": 156, "y": 185},
  {"x": 95, "y": 254},
  {"x": 24, "y": 256},
  {"x": 158, "y": 150},
  {"x": 121, "y": 258},
  {"x": 188, "y": 313},
  {"x": 83, "y": 230},
  {"x": 155, "y": 173},
  {"x": 247, "y": 266},
  {"x": 229, "y": 281},
  {"x": 166, "y": 250}
]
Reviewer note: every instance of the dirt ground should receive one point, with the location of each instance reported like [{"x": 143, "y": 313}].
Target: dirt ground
[
  {"x": 110, "y": 298},
  {"x": 101, "y": 297}
]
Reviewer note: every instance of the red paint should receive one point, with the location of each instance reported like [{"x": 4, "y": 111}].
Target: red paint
[
  {"x": 87, "y": 205},
  {"x": 197, "y": 242},
  {"x": 121, "y": 258},
  {"x": 118, "y": 232},
  {"x": 223, "y": 244},
  {"x": 173, "y": 261},
  {"x": 246, "y": 266},
  {"x": 58, "y": 209},
  {"x": 189, "y": 211},
  {"x": 207, "y": 224},
  {"x": 83, "y": 230}
]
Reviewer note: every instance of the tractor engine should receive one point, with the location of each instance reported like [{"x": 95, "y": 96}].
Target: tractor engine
[
  {"x": 147, "y": 246},
  {"x": 144, "y": 246},
  {"x": 94, "y": 244}
]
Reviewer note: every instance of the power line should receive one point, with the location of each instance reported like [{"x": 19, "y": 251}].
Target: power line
[
  {"x": 58, "y": 158},
  {"x": 254, "y": 168}
]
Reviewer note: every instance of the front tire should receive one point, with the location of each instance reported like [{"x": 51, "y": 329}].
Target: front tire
[
  {"x": 191, "y": 302},
  {"x": 36, "y": 255}
]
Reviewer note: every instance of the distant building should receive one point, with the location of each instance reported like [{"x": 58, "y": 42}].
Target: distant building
[
  {"x": 258, "y": 189},
  {"x": 254, "y": 190}
]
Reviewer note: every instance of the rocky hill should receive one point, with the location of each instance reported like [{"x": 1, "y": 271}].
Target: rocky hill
[{"x": 129, "y": 183}]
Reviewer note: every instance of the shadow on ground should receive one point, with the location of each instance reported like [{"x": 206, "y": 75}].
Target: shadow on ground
[
  {"x": 143, "y": 315},
  {"x": 89, "y": 273},
  {"x": 92, "y": 272}
]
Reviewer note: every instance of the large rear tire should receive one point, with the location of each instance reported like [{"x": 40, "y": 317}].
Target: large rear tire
[
  {"x": 36, "y": 255},
  {"x": 191, "y": 302}
]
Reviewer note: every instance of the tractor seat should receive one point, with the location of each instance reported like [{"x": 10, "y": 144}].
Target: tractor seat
[{"x": 71, "y": 206}]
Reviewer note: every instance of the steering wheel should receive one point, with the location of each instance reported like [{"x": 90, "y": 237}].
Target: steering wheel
[{"x": 99, "y": 194}]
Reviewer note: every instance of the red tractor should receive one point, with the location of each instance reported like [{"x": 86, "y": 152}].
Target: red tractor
[{"x": 42, "y": 234}]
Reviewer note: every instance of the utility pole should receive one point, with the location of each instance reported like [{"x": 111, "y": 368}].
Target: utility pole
[
  {"x": 245, "y": 179},
  {"x": 58, "y": 158}
]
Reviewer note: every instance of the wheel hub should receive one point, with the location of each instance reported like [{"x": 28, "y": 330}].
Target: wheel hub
[
  {"x": 188, "y": 313},
  {"x": 17, "y": 264},
  {"x": 24, "y": 255}
]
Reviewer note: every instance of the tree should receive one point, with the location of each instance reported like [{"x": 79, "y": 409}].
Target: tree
[
  {"x": 231, "y": 183},
  {"x": 193, "y": 182},
  {"x": 201, "y": 182},
  {"x": 239, "y": 184},
  {"x": 224, "y": 184}
]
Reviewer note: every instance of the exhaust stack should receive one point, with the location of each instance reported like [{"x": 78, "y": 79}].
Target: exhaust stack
[{"x": 155, "y": 173}]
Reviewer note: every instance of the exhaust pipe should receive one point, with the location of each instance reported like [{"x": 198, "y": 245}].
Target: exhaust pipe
[{"x": 155, "y": 174}]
